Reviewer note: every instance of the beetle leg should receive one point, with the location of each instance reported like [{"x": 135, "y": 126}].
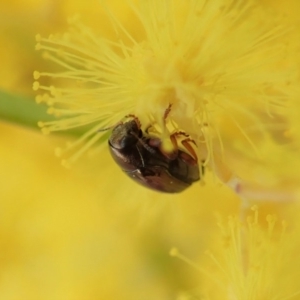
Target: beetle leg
[
  {"x": 173, "y": 137},
  {"x": 178, "y": 133},
  {"x": 173, "y": 154},
  {"x": 193, "y": 159},
  {"x": 156, "y": 142},
  {"x": 136, "y": 119},
  {"x": 167, "y": 111},
  {"x": 145, "y": 145},
  {"x": 147, "y": 128},
  {"x": 150, "y": 129}
]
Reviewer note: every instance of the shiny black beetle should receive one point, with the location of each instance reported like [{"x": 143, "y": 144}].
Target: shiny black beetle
[{"x": 140, "y": 156}]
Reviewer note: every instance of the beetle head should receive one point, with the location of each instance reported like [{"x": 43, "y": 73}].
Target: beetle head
[{"x": 125, "y": 135}]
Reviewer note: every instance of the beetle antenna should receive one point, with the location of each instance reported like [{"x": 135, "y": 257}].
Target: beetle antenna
[
  {"x": 110, "y": 127},
  {"x": 167, "y": 112},
  {"x": 147, "y": 147},
  {"x": 141, "y": 156}
]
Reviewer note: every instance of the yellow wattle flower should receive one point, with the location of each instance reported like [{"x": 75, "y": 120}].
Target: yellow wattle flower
[
  {"x": 227, "y": 67},
  {"x": 85, "y": 233},
  {"x": 254, "y": 259}
]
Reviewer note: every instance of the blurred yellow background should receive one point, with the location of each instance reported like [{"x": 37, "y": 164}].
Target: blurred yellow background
[{"x": 89, "y": 232}]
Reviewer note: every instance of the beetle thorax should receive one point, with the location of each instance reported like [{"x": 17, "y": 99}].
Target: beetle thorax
[{"x": 125, "y": 135}]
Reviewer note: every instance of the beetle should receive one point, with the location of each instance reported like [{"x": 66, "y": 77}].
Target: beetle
[{"x": 141, "y": 157}]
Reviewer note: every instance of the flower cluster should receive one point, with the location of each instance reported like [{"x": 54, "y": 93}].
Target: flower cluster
[
  {"x": 247, "y": 260},
  {"x": 229, "y": 69}
]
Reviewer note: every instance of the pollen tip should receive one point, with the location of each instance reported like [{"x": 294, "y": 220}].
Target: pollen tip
[
  {"x": 49, "y": 101},
  {"x": 36, "y": 75},
  {"x": 39, "y": 99},
  {"x": 58, "y": 151},
  {"x": 50, "y": 111},
  {"x": 271, "y": 218},
  {"x": 46, "y": 55},
  {"x": 38, "y": 46},
  {"x": 40, "y": 124},
  {"x": 45, "y": 130},
  {"x": 254, "y": 208},
  {"x": 52, "y": 90},
  {"x": 38, "y": 37},
  {"x": 36, "y": 86},
  {"x": 65, "y": 164},
  {"x": 174, "y": 252}
]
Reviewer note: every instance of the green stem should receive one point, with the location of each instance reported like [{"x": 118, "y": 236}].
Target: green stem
[{"x": 24, "y": 111}]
